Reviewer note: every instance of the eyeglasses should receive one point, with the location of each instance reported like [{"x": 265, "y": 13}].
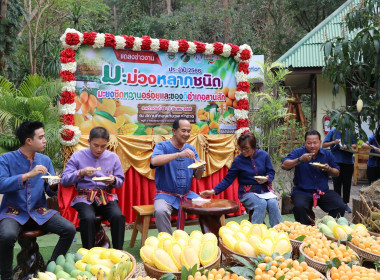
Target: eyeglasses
[{"x": 244, "y": 149}]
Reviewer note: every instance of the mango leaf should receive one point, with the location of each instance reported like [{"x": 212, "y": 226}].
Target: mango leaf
[
  {"x": 300, "y": 238},
  {"x": 168, "y": 276}
]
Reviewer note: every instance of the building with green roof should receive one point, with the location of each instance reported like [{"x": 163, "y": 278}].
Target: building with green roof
[{"x": 306, "y": 60}]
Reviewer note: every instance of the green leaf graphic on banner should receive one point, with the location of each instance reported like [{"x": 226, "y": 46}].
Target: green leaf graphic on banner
[{"x": 105, "y": 115}]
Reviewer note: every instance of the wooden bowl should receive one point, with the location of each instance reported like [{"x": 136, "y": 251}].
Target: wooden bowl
[{"x": 153, "y": 272}]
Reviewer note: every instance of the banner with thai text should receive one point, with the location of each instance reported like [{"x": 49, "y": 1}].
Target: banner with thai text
[{"x": 142, "y": 92}]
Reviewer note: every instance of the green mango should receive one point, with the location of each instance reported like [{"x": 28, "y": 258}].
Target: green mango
[
  {"x": 51, "y": 266},
  {"x": 74, "y": 273},
  {"x": 87, "y": 273},
  {"x": 57, "y": 269},
  {"x": 342, "y": 221},
  {"x": 78, "y": 256},
  {"x": 331, "y": 224},
  {"x": 60, "y": 260},
  {"x": 325, "y": 230},
  {"x": 63, "y": 274},
  {"x": 326, "y": 219},
  {"x": 68, "y": 267},
  {"x": 88, "y": 267}
]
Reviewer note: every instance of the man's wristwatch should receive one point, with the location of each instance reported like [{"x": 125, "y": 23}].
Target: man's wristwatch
[{"x": 299, "y": 160}]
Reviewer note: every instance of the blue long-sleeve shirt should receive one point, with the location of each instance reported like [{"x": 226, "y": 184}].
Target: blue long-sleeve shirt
[
  {"x": 22, "y": 201},
  {"x": 340, "y": 156},
  {"x": 307, "y": 178},
  {"x": 242, "y": 169},
  {"x": 373, "y": 161},
  {"x": 174, "y": 177}
]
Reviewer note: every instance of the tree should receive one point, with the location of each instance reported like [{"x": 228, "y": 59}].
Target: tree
[
  {"x": 353, "y": 63},
  {"x": 35, "y": 99}
]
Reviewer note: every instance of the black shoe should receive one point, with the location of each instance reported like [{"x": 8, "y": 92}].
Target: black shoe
[{"x": 348, "y": 209}]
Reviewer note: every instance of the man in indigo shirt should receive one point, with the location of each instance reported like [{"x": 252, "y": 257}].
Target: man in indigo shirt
[
  {"x": 173, "y": 179},
  {"x": 311, "y": 181},
  {"x": 24, "y": 202},
  {"x": 94, "y": 196},
  {"x": 344, "y": 159}
]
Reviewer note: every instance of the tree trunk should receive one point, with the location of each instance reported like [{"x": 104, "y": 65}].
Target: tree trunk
[
  {"x": 226, "y": 22},
  {"x": 3, "y": 16},
  {"x": 115, "y": 18},
  {"x": 169, "y": 6}
]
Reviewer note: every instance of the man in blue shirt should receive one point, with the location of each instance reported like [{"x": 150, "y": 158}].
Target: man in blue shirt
[
  {"x": 344, "y": 159},
  {"x": 24, "y": 202},
  {"x": 313, "y": 166},
  {"x": 173, "y": 178}
]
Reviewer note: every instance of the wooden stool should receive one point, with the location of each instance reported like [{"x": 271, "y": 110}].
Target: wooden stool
[
  {"x": 29, "y": 259},
  {"x": 144, "y": 214}
]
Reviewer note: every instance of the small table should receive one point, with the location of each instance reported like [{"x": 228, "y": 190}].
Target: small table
[{"x": 210, "y": 212}]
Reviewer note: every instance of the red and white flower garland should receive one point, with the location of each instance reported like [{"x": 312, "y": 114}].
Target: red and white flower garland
[{"x": 73, "y": 39}]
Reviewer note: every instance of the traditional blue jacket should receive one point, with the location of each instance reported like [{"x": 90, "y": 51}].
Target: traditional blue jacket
[{"x": 22, "y": 201}]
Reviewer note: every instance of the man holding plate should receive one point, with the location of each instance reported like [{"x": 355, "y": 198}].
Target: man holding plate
[
  {"x": 176, "y": 163},
  {"x": 23, "y": 206},
  {"x": 313, "y": 166},
  {"x": 95, "y": 171}
]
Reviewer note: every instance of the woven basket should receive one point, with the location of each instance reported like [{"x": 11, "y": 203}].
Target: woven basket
[
  {"x": 320, "y": 275},
  {"x": 364, "y": 254},
  {"x": 336, "y": 240},
  {"x": 228, "y": 253},
  {"x": 328, "y": 274},
  {"x": 133, "y": 260},
  {"x": 319, "y": 266},
  {"x": 153, "y": 272},
  {"x": 295, "y": 247},
  {"x": 374, "y": 233}
]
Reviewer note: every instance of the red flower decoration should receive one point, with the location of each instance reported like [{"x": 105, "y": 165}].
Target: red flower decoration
[
  {"x": 129, "y": 40},
  {"x": 243, "y": 104},
  {"x": 241, "y": 123},
  {"x": 67, "y": 134},
  {"x": 67, "y": 119},
  {"x": 218, "y": 48},
  {"x": 183, "y": 45},
  {"x": 67, "y": 76},
  {"x": 234, "y": 49},
  {"x": 164, "y": 44},
  {"x": 67, "y": 97},
  {"x": 72, "y": 39},
  {"x": 244, "y": 67},
  {"x": 89, "y": 38},
  {"x": 243, "y": 86},
  {"x": 201, "y": 47},
  {"x": 67, "y": 55},
  {"x": 146, "y": 42},
  {"x": 245, "y": 54},
  {"x": 109, "y": 40}
]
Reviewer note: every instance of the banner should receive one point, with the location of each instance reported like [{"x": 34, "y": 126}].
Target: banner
[{"x": 143, "y": 92}]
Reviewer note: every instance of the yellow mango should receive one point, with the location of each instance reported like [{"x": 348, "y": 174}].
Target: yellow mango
[
  {"x": 189, "y": 257},
  {"x": 178, "y": 233},
  {"x": 208, "y": 252},
  {"x": 163, "y": 261},
  {"x": 174, "y": 251},
  {"x": 245, "y": 248},
  {"x": 229, "y": 241},
  {"x": 209, "y": 236},
  {"x": 146, "y": 254},
  {"x": 282, "y": 246},
  {"x": 152, "y": 241},
  {"x": 124, "y": 109},
  {"x": 106, "y": 123},
  {"x": 108, "y": 105}
]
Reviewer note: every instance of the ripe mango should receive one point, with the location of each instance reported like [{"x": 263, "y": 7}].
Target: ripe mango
[
  {"x": 174, "y": 251},
  {"x": 189, "y": 257},
  {"x": 208, "y": 252},
  {"x": 205, "y": 129},
  {"x": 245, "y": 248},
  {"x": 163, "y": 261},
  {"x": 146, "y": 254},
  {"x": 124, "y": 109},
  {"x": 83, "y": 96},
  {"x": 107, "y": 105},
  {"x": 106, "y": 123}
]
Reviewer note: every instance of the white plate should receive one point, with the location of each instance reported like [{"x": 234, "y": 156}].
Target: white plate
[
  {"x": 317, "y": 164},
  {"x": 101, "y": 178},
  {"x": 195, "y": 165},
  {"x": 50, "y": 177}
]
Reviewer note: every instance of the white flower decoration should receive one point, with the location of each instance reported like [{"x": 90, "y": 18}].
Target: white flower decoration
[
  {"x": 155, "y": 45},
  {"x": 240, "y": 95},
  {"x": 173, "y": 46},
  {"x": 226, "y": 50},
  {"x": 70, "y": 66},
  {"x": 241, "y": 77},
  {"x": 192, "y": 48},
  {"x": 66, "y": 109},
  {"x": 63, "y": 39},
  {"x": 75, "y": 140},
  {"x": 120, "y": 42},
  {"x": 69, "y": 86},
  {"x": 99, "y": 40},
  {"x": 137, "y": 44},
  {"x": 209, "y": 49},
  {"x": 241, "y": 114},
  {"x": 240, "y": 131}
]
